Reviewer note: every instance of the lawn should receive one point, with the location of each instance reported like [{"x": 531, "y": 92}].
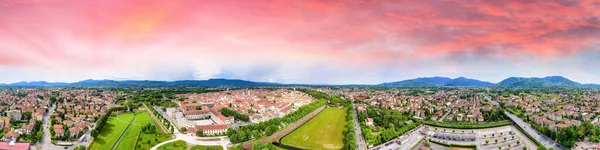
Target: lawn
[
  {"x": 130, "y": 137},
  {"x": 324, "y": 131},
  {"x": 112, "y": 131},
  {"x": 177, "y": 145},
  {"x": 201, "y": 147}
]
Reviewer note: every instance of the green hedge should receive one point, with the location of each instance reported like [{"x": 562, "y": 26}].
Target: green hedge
[
  {"x": 454, "y": 145},
  {"x": 468, "y": 126}
]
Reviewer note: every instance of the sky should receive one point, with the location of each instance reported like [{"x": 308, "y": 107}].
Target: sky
[{"x": 298, "y": 41}]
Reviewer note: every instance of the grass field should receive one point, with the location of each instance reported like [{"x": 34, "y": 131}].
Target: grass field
[
  {"x": 177, "y": 145},
  {"x": 324, "y": 131},
  {"x": 112, "y": 130},
  {"x": 130, "y": 137},
  {"x": 200, "y": 147}
]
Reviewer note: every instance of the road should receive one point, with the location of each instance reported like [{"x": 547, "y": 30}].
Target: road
[
  {"x": 46, "y": 142},
  {"x": 547, "y": 142},
  {"x": 360, "y": 142}
]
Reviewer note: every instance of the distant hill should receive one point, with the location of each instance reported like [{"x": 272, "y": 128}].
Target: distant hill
[
  {"x": 550, "y": 81},
  {"x": 36, "y": 83},
  {"x": 143, "y": 83},
  {"x": 462, "y": 81},
  {"x": 438, "y": 81}
]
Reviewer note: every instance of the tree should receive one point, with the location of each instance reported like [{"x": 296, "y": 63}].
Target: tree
[
  {"x": 94, "y": 133},
  {"x": 183, "y": 129},
  {"x": 200, "y": 133},
  {"x": 487, "y": 141}
]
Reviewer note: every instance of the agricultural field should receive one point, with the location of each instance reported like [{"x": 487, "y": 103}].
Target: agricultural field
[
  {"x": 109, "y": 135},
  {"x": 324, "y": 131}
]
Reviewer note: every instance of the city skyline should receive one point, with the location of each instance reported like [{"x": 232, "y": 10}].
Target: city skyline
[{"x": 313, "y": 42}]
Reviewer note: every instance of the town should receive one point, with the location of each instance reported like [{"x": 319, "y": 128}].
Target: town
[{"x": 231, "y": 118}]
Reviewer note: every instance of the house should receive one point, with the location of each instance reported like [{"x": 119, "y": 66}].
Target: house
[
  {"x": 14, "y": 146},
  {"x": 59, "y": 132},
  {"x": 450, "y": 117},
  {"x": 548, "y": 123},
  {"x": 480, "y": 118},
  {"x": 210, "y": 129},
  {"x": 561, "y": 126},
  {"x": 369, "y": 121},
  {"x": 10, "y": 136},
  {"x": 15, "y": 114},
  {"x": 27, "y": 128},
  {"x": 74, "y": 131},
  {"x": 229, "y": 120}
]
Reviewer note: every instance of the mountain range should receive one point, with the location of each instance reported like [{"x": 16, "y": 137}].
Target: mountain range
[
  {"x": 143, "y": 83},
  {"x": 437, "y": 81},
  {"x": 550, "y": 81}
]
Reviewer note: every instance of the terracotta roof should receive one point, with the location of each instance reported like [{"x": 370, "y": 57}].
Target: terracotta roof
[
  {"x": 211, "y": 127},
  {"x": 16, "y": 146},
  {"x": 11, "y": 134}
]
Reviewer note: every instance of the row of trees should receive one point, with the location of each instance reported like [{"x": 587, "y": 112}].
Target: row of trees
[
  {"x": 102, "y": 121},
  {"x": 350, "y": 135},
  {"x": 162, "y": 119},
  {"x": 228, "y": 112}
]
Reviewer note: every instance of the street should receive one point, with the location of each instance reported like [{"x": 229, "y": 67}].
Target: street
[
  {"x": 46, "y": 143},
  {"x": 547, "y": 142},
  {"x": 360, "y": 143}
]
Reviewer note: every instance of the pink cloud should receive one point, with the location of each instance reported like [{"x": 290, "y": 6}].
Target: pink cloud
[{"x": 108, "y": 33}]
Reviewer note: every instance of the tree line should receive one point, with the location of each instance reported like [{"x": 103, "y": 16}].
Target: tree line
[
  {"x": 349, "y": 132},
  {"x": 102, "y": 121},
  {"x": 228, "y": 112}
]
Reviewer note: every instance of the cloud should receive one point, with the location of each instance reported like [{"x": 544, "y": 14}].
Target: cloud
[{"x": 296, "y": 41}]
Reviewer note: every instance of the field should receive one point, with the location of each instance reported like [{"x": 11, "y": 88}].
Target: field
[
  {"x": 114, "y": 127},
  {"x": 200, "y": 147},
  {"x": 324, "y": 131},
  {"x": 177, "y": 145},
  {"x": 130, "y": 137}
]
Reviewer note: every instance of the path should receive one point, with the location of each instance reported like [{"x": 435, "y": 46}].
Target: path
[
  {"x": 164, "y": 129},
  {"x": 122, "y": 134},
  {"x": 360, "y": 142}
]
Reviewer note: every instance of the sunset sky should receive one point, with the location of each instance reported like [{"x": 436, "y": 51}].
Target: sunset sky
[{"x": 297, "y": 41}]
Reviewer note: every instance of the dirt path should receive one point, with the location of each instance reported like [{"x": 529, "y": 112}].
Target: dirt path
[{"x": 289, "y": 129}]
